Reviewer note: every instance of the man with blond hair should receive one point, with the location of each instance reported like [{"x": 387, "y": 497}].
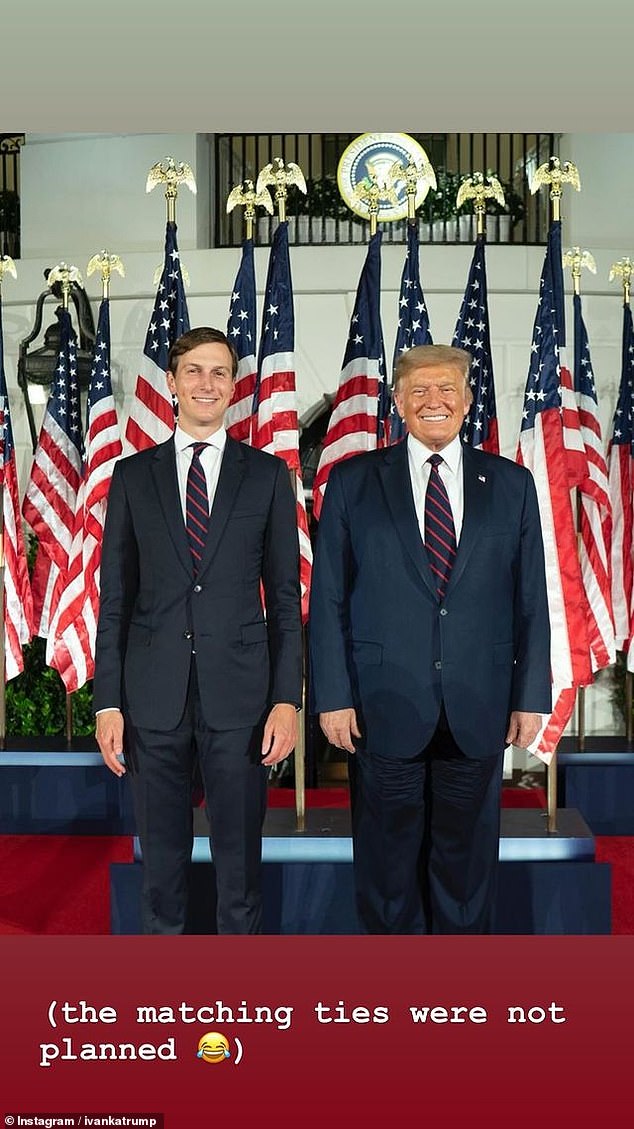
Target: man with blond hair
[{"x": 430, "y": 651}]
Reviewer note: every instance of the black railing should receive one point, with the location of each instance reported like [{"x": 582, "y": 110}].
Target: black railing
[
  {"x": 322, "y": 216},
  {"x": 10, "y": 193}
]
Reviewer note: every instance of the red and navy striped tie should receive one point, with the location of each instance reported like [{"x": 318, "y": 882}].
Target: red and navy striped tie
[
  {"x": 440, "y": 533},
  {"x": 196, "y": 506}
]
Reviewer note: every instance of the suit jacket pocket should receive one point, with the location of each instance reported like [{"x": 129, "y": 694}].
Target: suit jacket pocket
[
  {"x": 254, "y": 633},
  {"x": 502, "y": 654}
]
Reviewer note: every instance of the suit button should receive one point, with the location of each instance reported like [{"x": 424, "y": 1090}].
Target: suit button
[
  {"x": 198, "y": 587},
  {"x": 443, "y": 611},
  {"x": 438, "y": 665},
  {"x": 188, "y": 634}
]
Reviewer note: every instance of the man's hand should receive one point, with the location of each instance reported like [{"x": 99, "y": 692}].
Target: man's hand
[
  {"x": 340, "y": 726},
  {"x": 523, "y": 728},
  {"x": 109, "y": 734},
  {"x": 280, "y": 733}
]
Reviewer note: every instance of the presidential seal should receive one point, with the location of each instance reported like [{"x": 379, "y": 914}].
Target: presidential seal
[{"x": 380, "y": 173}]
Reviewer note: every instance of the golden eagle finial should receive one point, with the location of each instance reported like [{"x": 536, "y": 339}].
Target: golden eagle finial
[
  {"x": 172, "y": 175},
  {"x": 106, "y": 263},
  {"x": 7, "y": 266},
  {"x": 280, "y": 175}
]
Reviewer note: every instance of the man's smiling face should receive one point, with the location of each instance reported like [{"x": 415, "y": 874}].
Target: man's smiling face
[
  {"x": 433, "y": 401},
  {"x": 203, "y": 386}
]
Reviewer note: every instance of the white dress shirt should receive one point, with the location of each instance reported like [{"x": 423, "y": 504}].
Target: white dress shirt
[
  {"x": 210, "y": 460},
  {"x": 450, "y": 470}
]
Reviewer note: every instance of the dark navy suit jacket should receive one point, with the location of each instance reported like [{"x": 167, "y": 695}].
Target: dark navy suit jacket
[
  {"x": 153, "y": 611},
  {"x": 382, "y": 642}
]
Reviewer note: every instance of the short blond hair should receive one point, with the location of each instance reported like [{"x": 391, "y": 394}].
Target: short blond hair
[{"x": 424, "y": 356}]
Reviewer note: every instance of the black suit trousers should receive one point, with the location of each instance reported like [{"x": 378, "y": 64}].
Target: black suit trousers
[
  {"x": 161, "y": 768},
  {"x": 426, "y": 838}
]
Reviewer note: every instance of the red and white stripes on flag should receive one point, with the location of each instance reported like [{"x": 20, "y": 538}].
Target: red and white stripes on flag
[
  {"x": 71, "y": 640},
  {"x": 353, "y": 425},
  {"x": 542, "y": 450},
  {"x": 595, "y": 509},
  {"x": 18, "y": 604},
  {"x": 275, "y": 424},
  {"x": 51, "y": 495},
  {"x": 151, "y": 418}
]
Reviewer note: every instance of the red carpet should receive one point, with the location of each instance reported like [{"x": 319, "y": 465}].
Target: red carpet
[
  {"x": 58, "y": 883},
  {"x": 619, "y": 850}
]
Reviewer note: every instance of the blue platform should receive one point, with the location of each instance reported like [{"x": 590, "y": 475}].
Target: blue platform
[
  {"x": 599, "y": 782},
  {"x": 549, "y": 883}
]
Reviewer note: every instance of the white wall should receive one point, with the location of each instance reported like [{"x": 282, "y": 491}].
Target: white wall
[{"x": 81, "y": 193}]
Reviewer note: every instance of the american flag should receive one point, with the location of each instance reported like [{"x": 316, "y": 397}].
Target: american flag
[
  {"x": 241, "y": 331},
  {"x": 71, "y": 640},
  {"x": 18, "y": 604},
  {"x": 472, "y": 332},
  {"x": 354, "y": 421},
  {"x": 541, "y": 449},
  {"x": 275, "y": 425},
  {"x": 576, "y": 459},
  {"x": 621, "y": 483},
  {"x": 151, "y": 418},
  {"x": 51, "y": 495},
  {"x": 413, "y": 319},
  {"x": 595, "y": 509}
]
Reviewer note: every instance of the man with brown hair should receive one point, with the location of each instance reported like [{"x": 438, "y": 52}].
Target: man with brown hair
[
  {"x": 430, "y": 650},
  {"x": 188, "y": 670}
]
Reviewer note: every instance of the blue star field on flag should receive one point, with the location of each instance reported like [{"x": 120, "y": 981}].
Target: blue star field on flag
[
  {"x": 241, "y": 328},
  {"x": 584, "y": 376},
  {"x": 623, "y": 421},
  {"x": 100, "y": 383},
  {"x": 278, "y": 319},
  {"x": 64, "y": 403},
  {"x": 169, "y": 318},
  {"x": 472, "y": 333},
  {"x": 413, "y": 319},
  {"x": 542, "y": 385}
]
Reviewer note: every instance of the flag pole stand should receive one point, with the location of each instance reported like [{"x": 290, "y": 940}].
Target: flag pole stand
[
  {"x": 69, "y": 718},
  {"x": 581, "y": 718},
  {"x": 299, "y": 757},
  {"x": 551, "y": 793}
]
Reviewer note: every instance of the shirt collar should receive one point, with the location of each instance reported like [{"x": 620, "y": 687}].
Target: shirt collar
[
  {"x": 182, "y": 440},
  {"x": 451, "y": 454}
]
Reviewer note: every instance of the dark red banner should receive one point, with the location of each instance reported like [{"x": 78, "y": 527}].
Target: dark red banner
[{"x": 306, "y": 1032}]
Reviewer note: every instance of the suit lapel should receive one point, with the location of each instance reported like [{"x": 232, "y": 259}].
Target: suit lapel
[
  {"x": 397, "y": 486},
  {"x": 476, "y": 509},
  {"x": 163, "y": 469},
  {"x": 232, "y": 470}
]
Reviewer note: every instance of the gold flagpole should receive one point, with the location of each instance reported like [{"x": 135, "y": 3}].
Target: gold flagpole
[
  {"x": 623, "y": 269},
  {"x": 577, "y": 259},
  {"x": 281, "y": 176},
  {"x": 555, "y": 175},
  {"x": 66, "y": 276},
  {"x": 7, "y": 266},
  {"x": 480, "y": 188}
]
